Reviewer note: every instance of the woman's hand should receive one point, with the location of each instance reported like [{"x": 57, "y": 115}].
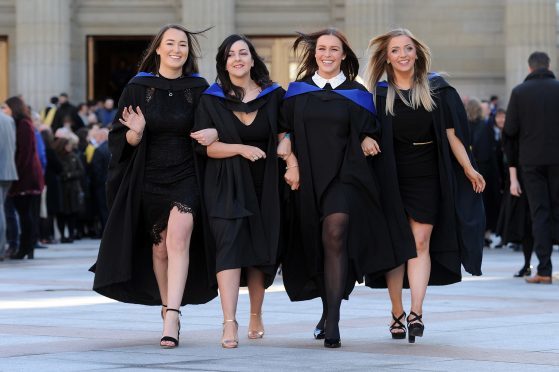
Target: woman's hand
[
  {"x": 475, "y": 178},
  {"x": 205, "y": 137},
  {"x": 251, "y": 153},
  {"x": 134, "y": 120},
  {"x": 515, "y": 189},
  {"x": 369, "y": 146},
  {"x": 284, "y": 148},
  {"x": 292, "y": 176}
]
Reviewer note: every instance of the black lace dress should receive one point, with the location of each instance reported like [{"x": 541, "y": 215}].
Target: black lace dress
[
  {"x": 144, "y": 183},
  {"x": 170, "y": 177}
]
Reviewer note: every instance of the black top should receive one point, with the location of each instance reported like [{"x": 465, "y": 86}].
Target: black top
[
  {"x": 533, "y": 119},
  {"x": 414, "y": 142},
  {"x": 169, "y": 155},
  {"x": 255, "y": 134}
]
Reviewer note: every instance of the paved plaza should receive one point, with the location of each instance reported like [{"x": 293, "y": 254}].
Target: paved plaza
[{"x": 50, "y": 320}]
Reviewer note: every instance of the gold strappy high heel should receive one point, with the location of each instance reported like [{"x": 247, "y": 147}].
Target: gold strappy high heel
[
  {"x": 255, "y": 334},
  {"x": 230, "y": 343}
]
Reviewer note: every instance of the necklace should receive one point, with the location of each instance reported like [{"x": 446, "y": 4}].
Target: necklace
[{"x": 170, "y": 91}]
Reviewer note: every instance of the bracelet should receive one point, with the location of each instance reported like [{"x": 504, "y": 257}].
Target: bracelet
[{"x": 292, "y": 166}]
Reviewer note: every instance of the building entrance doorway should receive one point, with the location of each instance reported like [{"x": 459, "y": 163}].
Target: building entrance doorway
[
  {"x": 111, "y": 62},
  {"x": 278, "y": 56},
  {"x": 4, "y": 62}
]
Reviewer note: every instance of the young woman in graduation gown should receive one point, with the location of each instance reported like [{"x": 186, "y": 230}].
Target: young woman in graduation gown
[
  {"x": 429, "y": 186},
  {"x": 342, "y": 230},
  {"x": 241, "y": 180},
  {"x": 152, "y": 242}
]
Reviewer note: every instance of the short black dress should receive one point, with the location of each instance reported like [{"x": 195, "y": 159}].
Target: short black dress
[
  {"x": 229, "y": 256},
  {"x": 170, "y": 177},
  {"x": 415, "y": 151}
]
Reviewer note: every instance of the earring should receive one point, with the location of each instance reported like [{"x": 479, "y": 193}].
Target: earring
[{"x": 388, "y": 62}]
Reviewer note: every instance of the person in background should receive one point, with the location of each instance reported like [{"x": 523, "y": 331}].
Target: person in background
[
  {"x": 28, "y": 188},
  {"x": 533, "y": 121},
  {"x": 106, "y": 114},
  {"x": 8, "y": 171},
  {"x": 99, "y": 171}
]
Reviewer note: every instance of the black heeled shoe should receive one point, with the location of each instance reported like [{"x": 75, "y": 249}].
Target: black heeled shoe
[
  {"x": 319, "y": 334},
  {"x": 415, "y": 327},
  {"x": 525, "y": 271},
  {"x": 20, "y": 255},
  {"x": 397, "y": 324},
  {"x": 332, "y": 343},
  {"x": 175, "y": 341}
]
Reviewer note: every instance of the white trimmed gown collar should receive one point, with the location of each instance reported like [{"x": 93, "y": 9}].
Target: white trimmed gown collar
[{"x": 335, "y": 82}]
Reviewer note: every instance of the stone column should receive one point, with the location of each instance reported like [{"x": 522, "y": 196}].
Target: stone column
[
  {"x": 199, "y": 15},
  {"x": 365, "y": 19},
  {"x": 42, "y": 48},
  {"x": 530, "y": 25}
]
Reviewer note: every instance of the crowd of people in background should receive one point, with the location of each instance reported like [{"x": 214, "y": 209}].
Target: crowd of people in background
[
  {"x": 52, "y": 173},
  {"x": 63, "y": 157}
]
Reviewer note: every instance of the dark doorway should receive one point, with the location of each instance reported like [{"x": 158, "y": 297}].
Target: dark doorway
[{"x": 112, "y": 62}]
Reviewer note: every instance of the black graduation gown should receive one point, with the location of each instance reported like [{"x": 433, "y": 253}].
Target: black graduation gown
[
  {"x": 237, "y": 221},
  {"x": 457, "y": 237},
  {"x": 320, "y": 165},
  {"x": 124, "y": 269}
]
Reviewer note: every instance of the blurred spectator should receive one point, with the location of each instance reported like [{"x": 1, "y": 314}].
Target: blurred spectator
[
  {"x": 8, "y": 172},
  {"x": 83, "y": 113},
  {"x": 72, "y": 194},
  {"x": 66, "y": 115},
  {"x": 99, "y": 169},
  {"x": 53, "y": 188},
  {"x": 28, "y": 188},
  {"x": 47, "y": 114},
  {"x": 484, "y": 151},
  {"x": 107, "y": 114}
]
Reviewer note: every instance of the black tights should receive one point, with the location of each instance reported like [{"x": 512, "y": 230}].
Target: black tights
[
  {"x": 63, "y": 220},
  {"x": 527, "y": 248},
  {"x": 334, "y": 238}
]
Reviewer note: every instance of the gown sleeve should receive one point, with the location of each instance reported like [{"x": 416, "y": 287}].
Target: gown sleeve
[
  {"x": 203, "y": 120},
  {"x": 287, "y": 113},
  {"x": 118, "y": 145}
]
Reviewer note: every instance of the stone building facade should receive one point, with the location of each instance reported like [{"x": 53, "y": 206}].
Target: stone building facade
[{"x": 50, "y": 46}]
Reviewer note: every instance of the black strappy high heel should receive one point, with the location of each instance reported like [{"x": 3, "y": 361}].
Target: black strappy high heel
[
  {"x": 169, "y": 338},
  {"x": 397, "y": 324},
  {"x": 415, "y": 327}
]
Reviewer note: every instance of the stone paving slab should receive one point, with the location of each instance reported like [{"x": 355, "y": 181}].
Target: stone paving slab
[{"x": 50, "y": 320}]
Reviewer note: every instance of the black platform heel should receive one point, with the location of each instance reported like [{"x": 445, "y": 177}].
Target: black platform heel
[
  {"x": 415, "y": 327},
  {"x": 175, "y": 341},
  {"x": 397, "y": 324},
  {"x": 319, "y": 334}
]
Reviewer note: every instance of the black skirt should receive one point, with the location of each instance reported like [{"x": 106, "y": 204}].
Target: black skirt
[{"x": 421, "y": 197}]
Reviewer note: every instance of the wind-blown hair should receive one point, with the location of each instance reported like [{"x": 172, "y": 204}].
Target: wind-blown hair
[
  {"x": 308, "y": 65},
  {"x": 150, "y": 60},
  {"x": 421, "y": 94},
  {"x": 258, "y": 73}
]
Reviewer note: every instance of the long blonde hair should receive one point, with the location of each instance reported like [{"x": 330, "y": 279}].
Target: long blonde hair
[{"x": 421, "y": 94}]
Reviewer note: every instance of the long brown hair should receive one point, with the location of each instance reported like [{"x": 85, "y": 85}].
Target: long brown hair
[
  {"x": 19, "y": 108},
  {"x": 473, "y": 109},
  {"x": 308, "y": 66},
  {"x": 378, "y": 65},
  {"x": 258, "y": 73},
  {"x": 150, "y": 60}
]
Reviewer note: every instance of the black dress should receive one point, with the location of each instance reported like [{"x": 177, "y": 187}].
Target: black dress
[
  {"x": 457, "y": 236},
  {"x": 144, "y": 183},
  {"x": 416, "y": 162},
  {"x": 170, "y": 177},
  {"x": 241, "y": 199},
  {"x": 327, "y": 129}
]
